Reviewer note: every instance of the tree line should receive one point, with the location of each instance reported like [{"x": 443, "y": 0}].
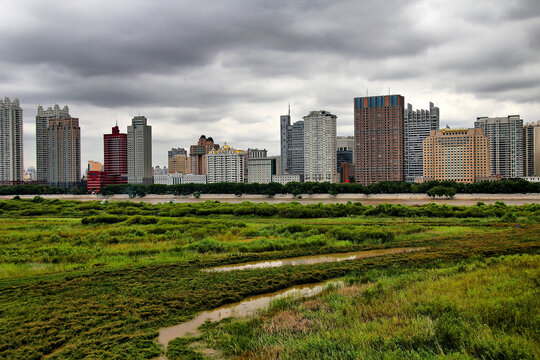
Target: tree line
[{"x": 432, "y": 188}]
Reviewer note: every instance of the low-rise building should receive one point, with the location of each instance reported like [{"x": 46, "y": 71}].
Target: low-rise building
[{"x": 283, "y": 179}]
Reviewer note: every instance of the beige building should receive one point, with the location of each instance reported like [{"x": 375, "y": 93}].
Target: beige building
[
  {"x": 531, "y": 149},
  {"x": 94, "y": 166},
  {"x": 461, "y": 155},
  {"x": 64, "y": 155},
  {"x": 178, "y": 161}
]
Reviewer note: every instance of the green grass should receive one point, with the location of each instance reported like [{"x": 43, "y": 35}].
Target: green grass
[
  {"x": 71, "y": 289},
  {"x": 481, "y": 310}
]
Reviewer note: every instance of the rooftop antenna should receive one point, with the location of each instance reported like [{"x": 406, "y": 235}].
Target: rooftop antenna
[
  {"x": 388, "y": 91},
  {"x": 367, "y": 92},
  {"x": 289, "y": 109}
]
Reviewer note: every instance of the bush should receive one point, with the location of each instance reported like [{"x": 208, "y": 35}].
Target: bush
[
  {"x": 207, "y": 245},
  {"x": 102, "y": 219}
]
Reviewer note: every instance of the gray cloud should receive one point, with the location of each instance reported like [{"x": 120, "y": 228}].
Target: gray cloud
[{"x": 228, "y": 69}]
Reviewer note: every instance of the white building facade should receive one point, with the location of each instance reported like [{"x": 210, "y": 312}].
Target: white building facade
[
  {"x": 225, "y": 165},
  {"x": 11, "y": 142},
  {"x": 320, "y": 156}
]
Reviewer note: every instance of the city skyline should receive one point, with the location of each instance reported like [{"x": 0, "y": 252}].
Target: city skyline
[{"x": 231, "y": 68}]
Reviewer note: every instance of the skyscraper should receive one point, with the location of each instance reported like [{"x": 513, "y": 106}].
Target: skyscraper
[
  {"x": 378, "y": 136},
  {"x": 285, "y": 135},
  {"x": 11, "y": 142},
  {"x": 296, "y": 149},
  {"x": 505, "y": 135},
  {"x": 42, "y": 145},
  {"x": 531, "y": 149},
  {"x": 139, "y": 151},
  {"x": 417, "y": 127},
  {"x": 64, "y": 155},
  {"x": 197, "y": 154},
  {"x": 115, "y": 156},
  {"x": 461, "y": 155},
  {"x": 320, "y": 156},
  {"x": 292, "y": 145}
]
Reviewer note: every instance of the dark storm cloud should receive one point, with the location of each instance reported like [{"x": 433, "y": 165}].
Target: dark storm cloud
[{"x": 230, "y": 67}]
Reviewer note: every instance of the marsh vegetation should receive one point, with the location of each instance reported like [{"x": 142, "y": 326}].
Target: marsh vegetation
[{"x": 98, "y": 279}]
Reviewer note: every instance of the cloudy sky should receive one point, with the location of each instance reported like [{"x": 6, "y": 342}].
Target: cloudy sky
[{"x": 228, "y": 69}]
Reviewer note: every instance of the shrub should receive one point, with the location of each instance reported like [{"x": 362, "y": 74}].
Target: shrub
[{"x": 102, "y": 219}]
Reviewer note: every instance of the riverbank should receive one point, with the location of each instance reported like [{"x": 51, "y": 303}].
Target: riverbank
[{"x": 373, "y": 199}]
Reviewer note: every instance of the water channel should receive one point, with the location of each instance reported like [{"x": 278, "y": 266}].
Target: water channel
[
  {"x": 248, "y": 306},
  {"x": 312, "y": 259}
]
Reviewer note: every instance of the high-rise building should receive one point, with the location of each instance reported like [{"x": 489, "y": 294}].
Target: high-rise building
[
  {"x": 378, "y": 137},
  {"x": 115, "y": 156},
  {"x": 345, "y": 154},
  {"x": 225, "y": 165},
  {"x": 64, "y": 155},
  {"x": 11, "y": 142},
  {"x": 461, "y": 155},
  {"x": 197, "y": 155},
  {"x": 285, "y": 137},
  {"x": 417, "y": 126},
  {"x": 505, "y": 135},
  {"x": 292, "y": 146},
  {"x": 178, "y": 161},
  {"x": 320, "y": 156},
  {"x": 531, "y": 149},
  {"x": 42, "y": 145},
  {"x": 139, "y": 151}
]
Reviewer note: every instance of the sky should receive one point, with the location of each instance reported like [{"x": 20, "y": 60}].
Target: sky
[{"x": 228, "y": 69}]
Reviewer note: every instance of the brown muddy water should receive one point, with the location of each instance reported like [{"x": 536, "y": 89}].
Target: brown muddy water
[
  {"x": 248, "y": 306},
  {"x": 312, "y": 259}
]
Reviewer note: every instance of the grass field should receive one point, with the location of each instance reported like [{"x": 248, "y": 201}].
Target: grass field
[{"x": 97, "y": 280}]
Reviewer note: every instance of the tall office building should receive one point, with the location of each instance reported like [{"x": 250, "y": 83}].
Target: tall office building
[
  {"x": 115, "y": 156},
  {"x": 345, "y": 154},
  {"x": 505, "y": 135},
  {"x": 225, "y": 165},
  {"x": 42, "y": 145},
  {"x": 178, "y": 161},
  {"x": 11, "y": 142},
  {"x": 292, "y": 146},
  {"x": 320, "y": 156},
  {"x": 285, "y": 137},
  {"x": 531, "y": 149},
  {"x": 139, "y": 151},
  {"x": 378, "y": 136},
  {"x": 461, "y": 155},
  {"x": 64, "y": 155},
  {"x": 197, "y": 154},
  {"x": 417, "y": 126}
]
